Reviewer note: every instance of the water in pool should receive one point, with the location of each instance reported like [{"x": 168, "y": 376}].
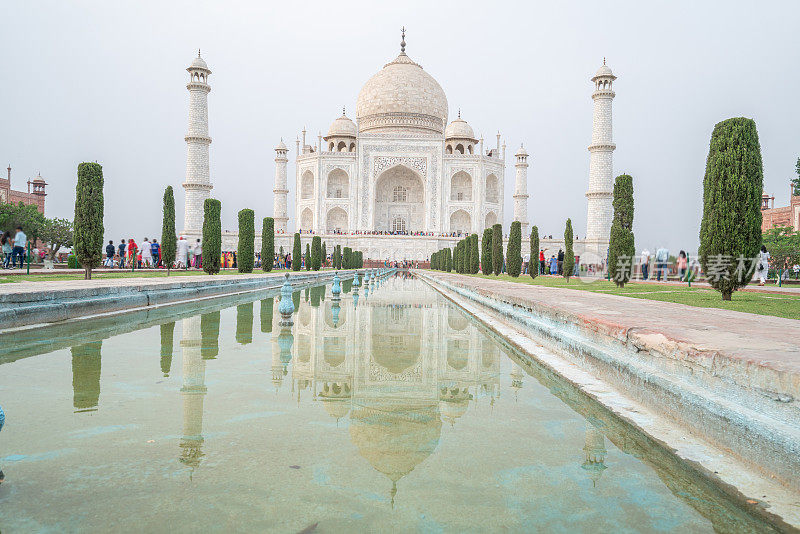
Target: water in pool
[{"x": 395, "y": 411}]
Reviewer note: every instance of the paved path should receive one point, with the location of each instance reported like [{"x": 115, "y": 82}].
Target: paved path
[
  {"x": 754, "y": 288},
  {"x": 771, "y": 342}
]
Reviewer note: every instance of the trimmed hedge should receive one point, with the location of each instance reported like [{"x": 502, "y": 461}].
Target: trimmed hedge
[
  {"x": 513, "y": 254},
  {"x": 732, "y": 189},
  {"x": 308, "y": 257},
  {"x": 569, "y": 253},
  {"x": 486, "y": 252},
  {"x": 621, "y": 247},
  {"x": 212, "y": 235},
  {"x": 297, "y": 253},
  {"x": 267, "y": 244},
  {"x": 246, "y": 249},
  {"x": 497, "y": 249},
  {"x": 88, "y": 225},
  {"x": 169, "y": 241},
  {"x": 316, "y": 253},
  {"x": 533, "y": 267}
]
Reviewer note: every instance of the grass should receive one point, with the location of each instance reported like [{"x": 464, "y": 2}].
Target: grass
[
  {"x": 776, "y": 305},
  {"x": 116, "y": 274}
]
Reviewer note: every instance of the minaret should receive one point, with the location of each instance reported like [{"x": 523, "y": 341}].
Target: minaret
[
  {"x": 601, "y": 179},
  {"x": 521, "y": 190},
  {"x": 281, "y": 191},
  {"x": 197, "y": 187}
]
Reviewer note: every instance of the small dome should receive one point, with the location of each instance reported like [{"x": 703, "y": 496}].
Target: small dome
[
  {"x": 39, "y": 179},
  {"x": 604, "y": 72},
  {"x": 199, "y": 63},
  {"x": 459, "y": 129},
  {"x": 281, "y": 146},
  {"x": 342, "y": 127},
  {"x": 521, "y": 151}
]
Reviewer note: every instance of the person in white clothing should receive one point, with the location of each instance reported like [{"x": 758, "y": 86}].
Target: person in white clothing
[
  {"x": 645, "y": 264},
  {"x": 147, "y": 254},
  {"x": 198, "y": 255},
  {"x": 763, "y": 265},
  {"x": 183, "y": 253}
]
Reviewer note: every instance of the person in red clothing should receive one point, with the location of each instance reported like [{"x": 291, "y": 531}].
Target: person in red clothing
[
  {"x": 541, "y": 262},
  {"x": 132, "y": 250}
]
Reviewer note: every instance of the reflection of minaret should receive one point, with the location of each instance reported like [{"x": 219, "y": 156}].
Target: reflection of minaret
[
  {"x": 266, "y": 315},
  {"x": 244, "y": 323},
  {"x": 517, "y": 374},
  {"x": 594, "y": 452},
  {"x": 167, "y": 334},
  {"x": 193, "y": 391},
  {"x": 86, "y": 376},
  {"x": 209, "y": 332}
]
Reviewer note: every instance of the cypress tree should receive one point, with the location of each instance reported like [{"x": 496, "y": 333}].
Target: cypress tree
[
  {"x": 297, "y": 253},
  {"x": 337, "y": 257},
  {"x": 267, "y": 244},
  {"x": 457, "y": 257},
  {"x": 569, "y": 253},
  {"x": 533, "y": 268},
  {"x": 448, "y": 260},
  {"x": 245, "y": 251},
  {"x": 212, "y": 235},
  {"x": 621, "y": 248},
  {"x": 88, "y": 226},
  {"x": 346, "y": 261},
  {"x": 497, "y": 249},
  {"x": 324, "y": 256},
  {"x": 308, "y": 257},
  {"x": 513, "y": 254},
  {"x": 732, "y": 188},
  {"x": 316, "y": 252},
  {"x": 475, "y": 257},
  {"x": 360, "y": 259},
  {"x": 169, "y": 241},
  {"x": 486, "y": 252}
]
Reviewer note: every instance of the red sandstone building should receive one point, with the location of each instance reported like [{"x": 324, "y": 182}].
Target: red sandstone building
[{"x": 34, "y": 196}]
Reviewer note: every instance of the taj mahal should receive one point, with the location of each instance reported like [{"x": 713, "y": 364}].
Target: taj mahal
[{"x": 400, "y": 182}]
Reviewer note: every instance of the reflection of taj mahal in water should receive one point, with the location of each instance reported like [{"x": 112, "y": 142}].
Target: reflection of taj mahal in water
[
  {"x": 400, "y": 182},
  {"x": 395, "y": 371}
]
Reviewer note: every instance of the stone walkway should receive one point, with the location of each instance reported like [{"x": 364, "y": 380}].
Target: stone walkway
[{"x": 770, "y": 342}]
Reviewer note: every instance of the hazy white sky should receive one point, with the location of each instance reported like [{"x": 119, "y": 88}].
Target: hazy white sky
[{"x": 105, "y": 81}]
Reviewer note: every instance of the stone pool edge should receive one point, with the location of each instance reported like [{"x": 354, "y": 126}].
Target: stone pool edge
[
  {"x": 745, "y": 482},
  {"x": 29, "y": 310}
]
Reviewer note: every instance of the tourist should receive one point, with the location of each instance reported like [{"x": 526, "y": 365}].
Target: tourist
[
  {"x": 645, "y": 264},
  {"x": 155, "y": 249},
  {"x": 683, "y": 263},
  {"x": 182, "y": 261},
  {"x": 662, "y": 260},
  {"x": 763, "y": 265},
  {"x": 20, "y": 240},
  {"x": 8, "y": 249},
  {"x": 288, "y": 261},
  {"x": 110, "y": 249},
  {"x": 796, "y": 270},
  {"x": 541, "y": 261},
  {"x": 146, "y": 253},
  {"x": 553, "y": 265},
  {"x": 198, "y": 255},
  {"x": 121, "y": 251},
  {"x": 132, "y": 248},
  {"x": 526, "y": 260},
  {"x": 560, "y": 261}
]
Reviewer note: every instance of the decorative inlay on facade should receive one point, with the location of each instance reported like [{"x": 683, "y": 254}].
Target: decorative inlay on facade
[
  {"x": 385, "y": 162},
  {"x": 330, "y": 167}
]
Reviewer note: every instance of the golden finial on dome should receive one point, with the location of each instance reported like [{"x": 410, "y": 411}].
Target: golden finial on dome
[{"x": 403, "y": 40}]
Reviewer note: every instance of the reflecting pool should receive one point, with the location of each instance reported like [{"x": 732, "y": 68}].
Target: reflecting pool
[{"x": 389, "y": 409}]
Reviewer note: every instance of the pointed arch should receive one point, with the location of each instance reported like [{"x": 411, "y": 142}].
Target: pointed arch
[
  {"x": 460, "y": 222},
  {"x": 307, "y": 220},
  {"x": 307, "y": 185},
  {"x": 461, "y": 186},
  {"x": 338, "y": 184},
  {"x": 336, "y": 221},
  {"x": 492, "y": 189}
]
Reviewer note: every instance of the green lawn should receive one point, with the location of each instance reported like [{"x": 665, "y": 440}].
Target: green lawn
[
  {"x": 115, "y": 274},
  {"x": 778, "y": 305}
]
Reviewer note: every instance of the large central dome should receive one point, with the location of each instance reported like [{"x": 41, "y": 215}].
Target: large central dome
[{"x": 401, "y": 97}]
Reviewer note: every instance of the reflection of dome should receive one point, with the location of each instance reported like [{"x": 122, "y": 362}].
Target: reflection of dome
[
  {"x": 395, "y": 438},
  {"x": 336, "y": 408},
  {"x": 401, "y": 96},
  {"x": 452, "y": 410},
  {"x": 459, "y": 129},
  {"x": 342, "y": 127}
]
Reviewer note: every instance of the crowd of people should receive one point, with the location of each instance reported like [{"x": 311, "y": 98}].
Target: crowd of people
[{"x": 148, "y": 254}]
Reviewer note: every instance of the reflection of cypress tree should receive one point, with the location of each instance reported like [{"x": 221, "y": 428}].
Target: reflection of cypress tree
[
  {"x": 244, "y": 323},
  {"x": 296, "y": 300},
  {"x": 86, "y": 376},
  {"x": 266, "y": 315},
  {"x": 167, "y": 333},
  {"x": 308, "y": 293},
  {"x": 209, "y": 335},
  {"x": 347, "y": 285},
  {"x": 316, "y": 295}
]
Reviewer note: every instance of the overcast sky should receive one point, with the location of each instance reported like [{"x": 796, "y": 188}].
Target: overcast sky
[{"x": 106, "y": 81}]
